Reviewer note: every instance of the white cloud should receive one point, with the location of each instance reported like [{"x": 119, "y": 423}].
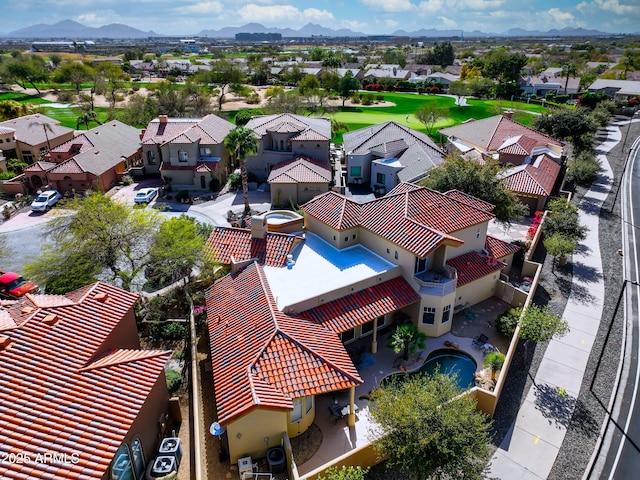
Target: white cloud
[
  {"x": 448, "y": 22},
  {"x": 555, "y": 18},
  {"x": 390, "y": 23},
  {"x": 285, "y": 15},
  {"x": 389, "y": 5},
  {"x": 430, "y": 6},
  {"x": 201, "y": 8},
  {"x": 616, "y": 7}
]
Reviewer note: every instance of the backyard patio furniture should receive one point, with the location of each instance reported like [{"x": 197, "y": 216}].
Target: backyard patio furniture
[
  {"x": 480, "y": 341},
  {"x": 338, "y": 413}
]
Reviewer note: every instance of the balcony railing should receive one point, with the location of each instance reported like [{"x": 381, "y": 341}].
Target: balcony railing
[{"x": 437, "y": 282}]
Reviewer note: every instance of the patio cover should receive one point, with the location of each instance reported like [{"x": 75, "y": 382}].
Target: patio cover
[{"x": 360, "y": 307}]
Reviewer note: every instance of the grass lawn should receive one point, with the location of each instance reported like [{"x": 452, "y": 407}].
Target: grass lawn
[{"x": 407, "y": 104}]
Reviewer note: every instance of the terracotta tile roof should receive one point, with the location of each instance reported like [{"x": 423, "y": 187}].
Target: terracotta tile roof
[
  {"x": 40, "y": 166},
  {"x": 360, "y": 307},
  {"x": 226, "y": 244},
  {"x": 415, "y": 218},
  {"x": 301, "y": 169},
  {"x": 473, "y": 265},
  {"x": 522, "y": 145},
  {"x": 211, "y": 130},
  {"x": 470, "y": 200},
  {"x": 6, "y": 321},
  {"x": 158, "y": 132},
  {"x": 499, "y": 248},
  {"x": 69, "y": 166},
  {"x": 490, "y": 133},
  {"x": 30, "y": 131},
  {"x": 61, "y": 392},
  {"x": 535, "y": 179},
  {"x": 264, "y": 358}
]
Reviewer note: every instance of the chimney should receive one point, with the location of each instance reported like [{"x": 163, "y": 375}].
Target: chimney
[
  {"x": 258, "y": 226},
  {"x": 163, "y": 118},
  {"x": 142, "y": 132},
  {"x": 508, "y": 114}
]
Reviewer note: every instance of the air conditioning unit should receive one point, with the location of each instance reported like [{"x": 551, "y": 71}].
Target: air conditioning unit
[
  {"x": 163, "y": 466},
  {"x": 172, "y": 447}
]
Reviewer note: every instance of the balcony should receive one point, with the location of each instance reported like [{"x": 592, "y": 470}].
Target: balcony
[{"x": 437, "y": 282}]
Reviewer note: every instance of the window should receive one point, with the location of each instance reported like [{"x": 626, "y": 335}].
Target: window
[
  {"x": 421, "y": 265},
  {"x": 356, "y": 171},
  {"x": 366, "y": 328},
  {"x": 382, "y": 321},
  {"x": 1, "y": 141},
  {"x": 138, "y": 457},
  {"x": 446, "y": 314},
  {"x": 26, "y": 156},
  {"x": 121, "y": 466},
  {"x": 381, "y": 178},
  {"x": 296, "y": 414},
  {"x": 346, "y": 239},
  {"x": 478, "y": 233},
  {"x": 309, "y": 402},
  {"x": 348, "y": 336},
  {"x": 151, "y": 158},
  {"x": 353, "y": 236},
  {"x": 205, "y": 152},
  {"x": 395, "y": 255},
  {"x": 428, "y": 315},
  {"x": 182, "y": 156}
]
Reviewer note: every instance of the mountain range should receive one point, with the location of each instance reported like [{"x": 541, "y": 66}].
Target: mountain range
[{"x": 71, "y": 30}]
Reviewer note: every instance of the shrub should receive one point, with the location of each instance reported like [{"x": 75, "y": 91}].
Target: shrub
[
  {"x": 253, "y": 99},
  {"x": 584, "y": 169},
  {"x": 345, "y": 473},
  {"x": 182, "y": 195},
  {"x": 367, "y": 99},
  {"x": 235, "y": 180},
  {"x": 507, "y": 322},
  {"x": 380, "y": 98},
  {"x": 127, "y": 179},
  {"x": 174, "y": 380}
]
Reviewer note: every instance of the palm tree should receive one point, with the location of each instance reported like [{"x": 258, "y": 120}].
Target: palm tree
[
  {"x": 46, "y": 127},
  {"x": 406, "y": 338},
  {"x": 494, "y": 361},
  {"x": 337, "y": 126},
  {"x": 242, "y": 142},
  {"x": 86, "y": 118},
  {"x": 567, "y": 70}
]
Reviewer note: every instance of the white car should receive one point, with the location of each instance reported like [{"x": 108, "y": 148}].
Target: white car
[
  {"x": 145, "y": 195},
  {"x": 45, "y": 201}
]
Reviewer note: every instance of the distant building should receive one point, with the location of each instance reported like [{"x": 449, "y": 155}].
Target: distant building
[{"x": 258, "y": 37}]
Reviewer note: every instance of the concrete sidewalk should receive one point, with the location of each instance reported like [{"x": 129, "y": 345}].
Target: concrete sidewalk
[{"x": 531, "y": 446}]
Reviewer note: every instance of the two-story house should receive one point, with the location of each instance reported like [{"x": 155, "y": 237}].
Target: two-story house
[
  {"x": 285, "y": 136},
  {"x": 28, "y": 138},
  {"x": 188, "y": 152},
  {"x": 387, "y": 154},
  {"x": 297, "y": 299}
]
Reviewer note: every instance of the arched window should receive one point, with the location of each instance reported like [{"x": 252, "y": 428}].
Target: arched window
[
  {"x": 121, "y": 466},
  {"x": 138, "y": 457}
]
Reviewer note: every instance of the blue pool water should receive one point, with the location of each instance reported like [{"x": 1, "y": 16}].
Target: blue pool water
[{"x": 447, "y": 361}]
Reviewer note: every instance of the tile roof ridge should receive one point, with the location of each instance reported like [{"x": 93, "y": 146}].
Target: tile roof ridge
[{"x": 121, "y": 356}]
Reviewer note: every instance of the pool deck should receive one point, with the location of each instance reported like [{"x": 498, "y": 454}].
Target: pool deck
[{"x": 338, "y": 438}]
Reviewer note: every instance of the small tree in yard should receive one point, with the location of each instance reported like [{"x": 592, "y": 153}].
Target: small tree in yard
[
  {"x": 406, "y": 339},
  {"x": 559, "y": 245},
  {"x": 539, "y": 325},
  {"x": 345, "y": 473},
  {"x": 429, "y": 431},
  {"x": 494, "y": 361}
]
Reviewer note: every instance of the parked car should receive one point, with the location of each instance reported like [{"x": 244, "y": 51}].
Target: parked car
[
  {"x": 145, "y": 195},
  {"x": 45, "y": 201},
  {"x": 12, "y": 285}
]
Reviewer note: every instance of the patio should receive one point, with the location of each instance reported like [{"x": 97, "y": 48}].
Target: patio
[{"x": 337, "y": 437}]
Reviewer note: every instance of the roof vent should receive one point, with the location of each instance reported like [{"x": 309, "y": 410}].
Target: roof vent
[
  {"x": 27, "y": 310},
  {"x": 51, "y": 319},
  {"x": 101, "y": 297},
  {"x": 5, "y": 342}
]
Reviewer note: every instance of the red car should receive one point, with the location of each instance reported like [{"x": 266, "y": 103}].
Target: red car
[{"x": 13, "y": 285}]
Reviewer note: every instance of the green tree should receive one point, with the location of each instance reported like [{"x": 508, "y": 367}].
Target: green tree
[
  {"x": 24, "y": 71},
  {"x": 222, "y": 73},
  {"x": 176, "y": 249},
  {"x": 494, "y": 361},
  {"x": 406, "y": 339},
  {"x": 575, "y": 125},
  {"x": 109, "y": 80},
  {"x": 46, "y": 128},
  {"x": 583, "y": 169},
  {"x": 568, "y": 69},
  {"x": 308, "y": 85},
  {"x": 428, "y": 430},
  {"x": 104, "y": 235},
  {"x": 242, "y": 142},
  {"x": 86, "y": 118},
  {"x": 337, "y": 126},
  {"x": 11, "y": 109},
  {"x": 563, "y": 218},
  {"x": 539, "y": 325},
  {"x": 345, "y": 473},
  {"x": 442, "y": 54},
  {"x": 63, "y": 267},
  {"x": 480, "y": 87},
  {"x": 430, "y": 113},
  {"x": 139, "y": 110},
  {"x": 481, "y": 181},
  {"x": 348, "y": 85},
  {"x": 559, "y": 245},
  {"x": 74, "y": 73},
  {"x": 459, "y": 89}
]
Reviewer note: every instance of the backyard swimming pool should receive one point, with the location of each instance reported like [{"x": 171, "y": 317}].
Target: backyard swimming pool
[{"x": 447, "y": 361}]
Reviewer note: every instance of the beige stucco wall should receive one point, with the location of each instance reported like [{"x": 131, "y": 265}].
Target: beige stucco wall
[
  {"x": 283, "y": 194},
  {"x": 252, "y": 429},
  {"x": 298, "y": 428},
  {"x": 475, "y": 292}
]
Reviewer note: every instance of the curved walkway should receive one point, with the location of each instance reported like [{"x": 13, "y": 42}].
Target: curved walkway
[{"x": 531, "y": 446}]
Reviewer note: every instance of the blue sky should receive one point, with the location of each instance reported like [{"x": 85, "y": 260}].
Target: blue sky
[{"x": 188, "y": 17}]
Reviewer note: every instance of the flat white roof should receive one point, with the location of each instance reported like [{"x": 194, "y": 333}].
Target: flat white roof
[{"x": 320, "y": 268}]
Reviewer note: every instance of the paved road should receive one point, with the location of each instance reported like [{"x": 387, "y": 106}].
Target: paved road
[{"x": 620, "y": 455}]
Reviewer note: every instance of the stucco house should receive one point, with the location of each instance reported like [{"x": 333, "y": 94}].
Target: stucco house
[
  {"x": 616, "y": 89},
  {"x": 294, "y": 182},
  {"x": 387, "y": 154},
  {"x": 96, "y": 158},
  {"x": 285, "y": 136},
  {"x": 357, "y": 268},
  {"x": 536, "y": 158},
  {"x": 542, "y": 85},
  {"x": 28, "y": 138},
  {"x": 77, "y": 391}
]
